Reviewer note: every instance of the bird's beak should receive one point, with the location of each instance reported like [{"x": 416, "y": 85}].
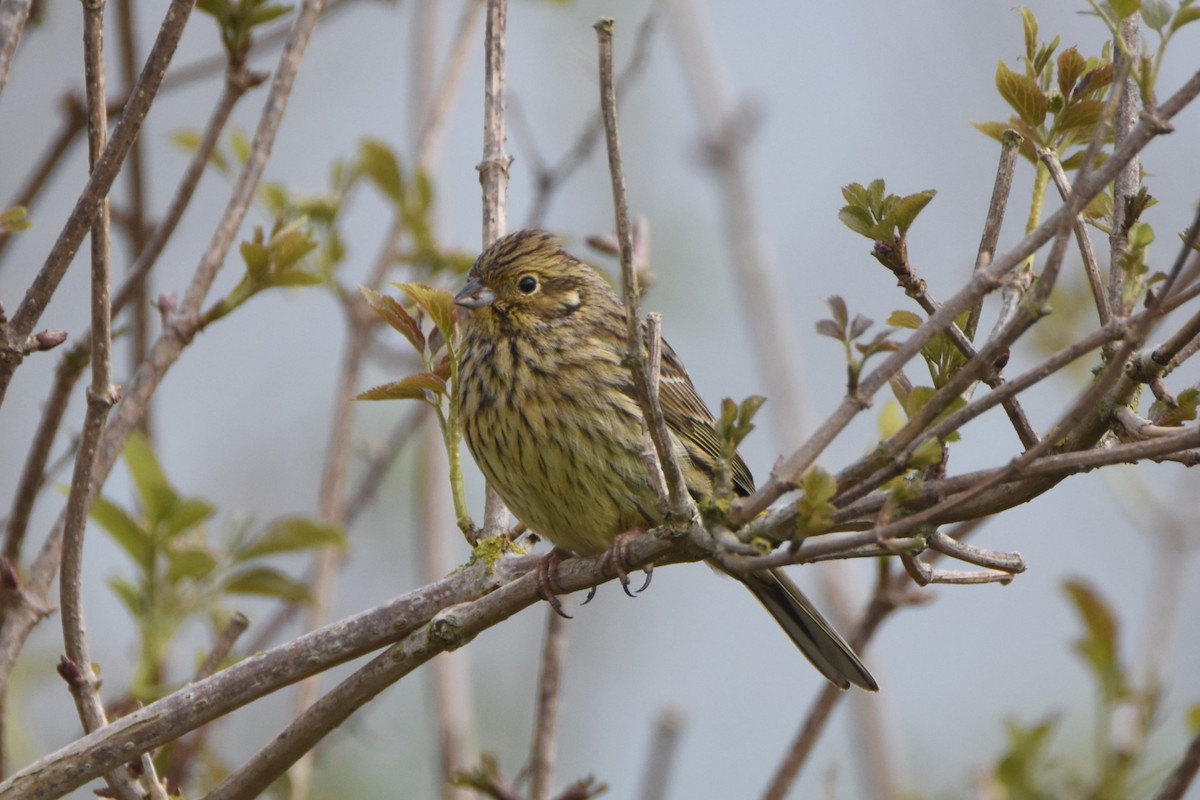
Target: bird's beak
[{"x": 475, "y": 295}]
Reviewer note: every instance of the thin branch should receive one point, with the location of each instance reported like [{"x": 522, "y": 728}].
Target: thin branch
[
  {"x": 663, "y": 748},
  {"x": 76, "y": 665},
  {"x": 1090, "y": 267},
  {"x": 886, "y": 599},
  {"x": 1126, "y": 180},
  {"x": 680, "y": 502},
  {"x": 13, "y": 16},
  {"x": 1181, "y": 777},
  {"x": 178, "y": 333},
  {"x": 73, "y": 123},
  {"x": 1010, "y": 149},
  {"x": 493, "y": 178},
  {"x": 545, "y": 729},
  {"x": 97, "y": 188},
  {"x": 551, "y": 178},
  {"x": 783, "y": 476}
]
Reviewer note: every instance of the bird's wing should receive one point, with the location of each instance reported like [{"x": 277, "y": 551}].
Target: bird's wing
[{"x": 687, "y": 416}]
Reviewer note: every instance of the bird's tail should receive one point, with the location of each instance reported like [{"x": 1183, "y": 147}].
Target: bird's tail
[{"x": 815, "y": 637}]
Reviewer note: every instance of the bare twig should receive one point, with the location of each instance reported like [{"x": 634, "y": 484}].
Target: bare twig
[
  {"x": 1090, "y": 267},
  {"x": 76, "y": 665},
  {"x": 545, "y": 729},
  {"x": 13, "y": 16},
  {"x": 680, "y": 502},
  {"x": 20, "y": 621},
  {"x": 984, "y": 280},
  {"x": 1010, "y": 149},
  {"x": 550, "y": 178},
  {"x": 98, "y": 185},
  {"x": 1126, "y": 180},
  {"x": 886, "y": 599},
  {"x": 1181, "y": 777},
  {"x": 663, "y": 748},
  {"x": 493, "y": 177}
]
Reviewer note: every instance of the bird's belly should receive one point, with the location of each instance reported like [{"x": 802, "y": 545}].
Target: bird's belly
[{"x": 576, "y": 478}]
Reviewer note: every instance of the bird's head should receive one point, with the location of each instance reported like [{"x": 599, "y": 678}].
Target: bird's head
[{"x": 526, "y": 282}]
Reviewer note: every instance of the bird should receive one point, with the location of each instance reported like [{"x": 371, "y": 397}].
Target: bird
[{"x": 549, "y": 412}]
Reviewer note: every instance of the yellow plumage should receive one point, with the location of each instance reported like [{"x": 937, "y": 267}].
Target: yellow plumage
[{"x": 548, "y": 412}]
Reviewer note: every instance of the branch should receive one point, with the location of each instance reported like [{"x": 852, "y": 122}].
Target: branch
[
  {"x": 680, "y": 502},
  {"x": 493, "y": 177},
  {"x": 541, "y": 763},
  {"x": 98, "y": 185},
  {"x": 982, "y": 281},
  {"x": 13, "y": 16}
]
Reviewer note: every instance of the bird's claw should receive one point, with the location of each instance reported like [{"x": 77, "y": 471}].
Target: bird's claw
[
  {"x": 618, "y": 559},
  {"x": 547, "y": 580}
]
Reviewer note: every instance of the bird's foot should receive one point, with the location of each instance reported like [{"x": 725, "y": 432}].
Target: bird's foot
[
  {"x": 617, "y": 557},
  {"x": 547, "y": 580}
]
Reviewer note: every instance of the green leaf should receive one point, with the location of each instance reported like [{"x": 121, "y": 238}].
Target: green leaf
[
  {"x": 907, "y": 208},
  {"x": 437, "y": 303},
  {"x": 905, "y": 319},
  {"x": 290, "y": 244},
  {"x": 413, "y": 387},
  {"x": 13, "y": 220},
  {"x": 1185, "y": 16},
  {"x": 1030, "y": 25},
  {"x": 1099, "y": 643},
  {"x": 1070, "y": 67},
  {"x": 1082, "y": 115},
  {"x": 267, "y": 582},
  {"x": 379, "y": 163},
  {"x": 858, "y": 219},
  {"x": 928, "y": 453},
  {"x": 1124, "y": 8},
  {"x": 1193, "y": 719},
  {"x": 1183, "y": 411},
  {"x": 394, "y": 314},
  {"x": 187, "y": 514},
  {"x": 129, "y": 595},
  {"x": 1020, "y": 770},
  {"x": 123, "y": 529},
  {"x": 292, "y": 534},
  {"x": 1156, "y": 14},
  {"x": 1022, "y": 93},
  {"x": 819, "y": 485},
  {"x": 156, "y": 495},
  {"x": 190, "y": 562},
  {"x": 189, "y": 139}
]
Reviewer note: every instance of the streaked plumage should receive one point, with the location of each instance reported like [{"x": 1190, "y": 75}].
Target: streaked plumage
[{"x": 549, "y": 413}]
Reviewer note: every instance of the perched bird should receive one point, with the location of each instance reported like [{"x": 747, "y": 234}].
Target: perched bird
[{"x": 549, "y": 413}]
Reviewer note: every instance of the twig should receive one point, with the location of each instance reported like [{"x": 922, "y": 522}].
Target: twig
[
  {"x": 1010, "y": 149},
  {"x": 432, "y": 127},
  {"x": 238, "y": 81},
  {"x": 20, "y": 621},
  {"x": 13, "y": 16},
  {"x": 1184, "y": 773},
  {"x": 1091, "y": 269},
  {"x": 451, "y": 673},
  {"x": 545, "y": 729},
  {"x": 680, "y": 502},
  {"x": 73, "y": 123},
  {"x": 493, "y": 177},
  {"x": 1126, "y": 180},
  {"x": 98, "y": 185},
  {"x": 783, "y": 476},
  {"x": 76, "y": 665},
  {"x": 885, "y": 600},
  {"x": 550, "y": 179},
  {"x": 663, "y": 747},
  {"x": 33, "y": 472}
]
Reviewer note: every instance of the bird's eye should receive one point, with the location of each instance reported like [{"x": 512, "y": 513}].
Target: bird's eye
[{"x": 528, "y": 284}]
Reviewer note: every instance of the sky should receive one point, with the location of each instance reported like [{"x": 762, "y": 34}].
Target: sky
[{"x": 841, "y": 92}]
